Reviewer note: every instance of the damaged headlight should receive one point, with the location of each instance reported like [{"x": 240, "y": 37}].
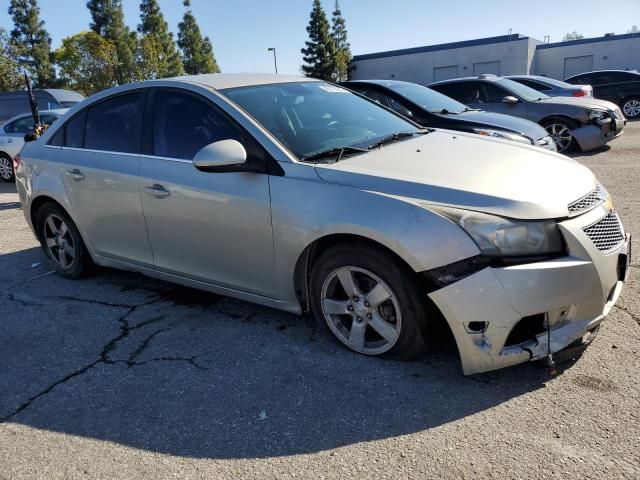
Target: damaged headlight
[
  {"x": 501, "y": 237},
  {"x": 597, "y": 114},
  {"x": 514, "y": 137}
]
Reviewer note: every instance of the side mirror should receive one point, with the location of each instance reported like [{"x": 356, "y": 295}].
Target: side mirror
[
  {"x": 222, "y": 156},
  {"x": 510, "y": 99}
]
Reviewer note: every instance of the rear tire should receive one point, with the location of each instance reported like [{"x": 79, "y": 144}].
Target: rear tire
[
  {"x": 369, "y": 301},
  {"x": 61, "y": 241},
  {"x": 560, "y": 131},
  {"x": 631, "y": 108},
  {"x": 6, "y": 168}
]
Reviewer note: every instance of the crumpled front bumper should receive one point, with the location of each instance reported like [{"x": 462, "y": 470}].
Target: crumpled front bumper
[
  {"x": 596, "y": 135},
  {"x": 574, "y": 293}
]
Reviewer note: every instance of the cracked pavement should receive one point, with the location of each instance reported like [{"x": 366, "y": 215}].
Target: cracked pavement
[{"x": 122, "y": 376}]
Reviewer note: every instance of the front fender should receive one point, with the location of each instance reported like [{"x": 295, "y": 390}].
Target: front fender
[{"x": 305, "y": 209}]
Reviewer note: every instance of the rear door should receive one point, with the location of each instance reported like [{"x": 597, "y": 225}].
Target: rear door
[
  {"x": 99, "y": 161},
  {"x": 211, "y": 227}
]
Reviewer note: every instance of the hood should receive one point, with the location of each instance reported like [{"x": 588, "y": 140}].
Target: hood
[
  {"x": 582, "y": 102},
  {"x": 504, "y": 122},
  {"x": 468, "y": 171}
]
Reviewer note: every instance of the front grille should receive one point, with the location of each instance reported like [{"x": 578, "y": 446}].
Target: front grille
[
  {"x": 606, "y": 234},
  {"x": 589, "y": 201}
]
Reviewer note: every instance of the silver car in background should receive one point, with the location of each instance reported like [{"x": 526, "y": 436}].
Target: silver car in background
[
  {"x": 553, "y": 87},
  {"x": 12, "y": 134},
  {"x": 584, "y": 123},
  {"x": 300, "y": 195}
]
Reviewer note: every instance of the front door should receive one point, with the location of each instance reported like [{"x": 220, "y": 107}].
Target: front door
[
  {"x": 99, "y": 161},
  {"x": 212, "y": 227}
]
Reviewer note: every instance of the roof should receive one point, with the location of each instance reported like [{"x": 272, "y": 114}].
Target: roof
[
  {"x": 219, "y": 81},
  {"x": 582, "y": 41},
  {"x": 541, "y": 79},
  {"x": 442, "y": 46},
  {"x": 383, "y": 83},
  {"x": 485, "y": 78}
]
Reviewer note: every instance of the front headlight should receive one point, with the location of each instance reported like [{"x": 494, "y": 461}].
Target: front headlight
[
  {"x": 514, "y": 137},
  {"x": 596, "y": 114},
  {"x": 501, "y": 237}
]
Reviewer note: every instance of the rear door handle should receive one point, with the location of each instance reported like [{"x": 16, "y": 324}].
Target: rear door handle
[
  {"x": 76, "y": 174},
  {"x": 9, "y": 140},
  {"x": 157, "y": 190}
]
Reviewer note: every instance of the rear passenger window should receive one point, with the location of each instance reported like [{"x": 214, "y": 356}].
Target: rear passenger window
[
  {"x": 184, "y": 124},
  {"x": 75, "y": 131},
  {"x": 114, "y": 125}
]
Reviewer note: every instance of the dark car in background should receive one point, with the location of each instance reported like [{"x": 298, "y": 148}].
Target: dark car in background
[
  {"x": 586, "y": 123},
  {"x": 553, "y": 87},
  {"x": 618, "y": 86},
  {"x": 432, "y": 109},
  {"x": 17, "y": 102}
]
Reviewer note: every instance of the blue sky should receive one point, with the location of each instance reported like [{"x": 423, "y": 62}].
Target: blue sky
[{"x": 243, "y": 29}]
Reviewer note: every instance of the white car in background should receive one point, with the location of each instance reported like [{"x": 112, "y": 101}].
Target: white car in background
[{"x": 12, "y": 134}]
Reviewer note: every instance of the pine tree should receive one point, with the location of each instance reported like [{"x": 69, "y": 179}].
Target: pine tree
[
  {"x": 320, "y": 53},
  {"x": 108, "y": 21},
  {"x": 31, "y": 42},
  {"x": 153, "y": 24},
  {"x": 197, "y": 52},
  {"x": 343, "y": 48}
]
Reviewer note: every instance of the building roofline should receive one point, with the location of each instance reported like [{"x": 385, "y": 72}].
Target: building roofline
[
  {"x": 583, "y": 41},
  {"x": 443, "y": 46}
]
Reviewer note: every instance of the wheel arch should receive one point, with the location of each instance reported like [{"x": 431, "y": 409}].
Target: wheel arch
[
  {"x": 320, "y": 245},
  {"x": 558, "y": 117}
]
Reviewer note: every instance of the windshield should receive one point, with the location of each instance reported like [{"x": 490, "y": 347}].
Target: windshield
[
  {"x": 527, "y": 93},
  {"x": 311, "y": 117},
  {"x": 426, "y": 98}
]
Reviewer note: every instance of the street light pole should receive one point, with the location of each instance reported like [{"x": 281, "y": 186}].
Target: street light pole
[{"x": 275, "y": 59}]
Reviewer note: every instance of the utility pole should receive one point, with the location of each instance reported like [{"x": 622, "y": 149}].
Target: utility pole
[{"x": 275, "y": 58}]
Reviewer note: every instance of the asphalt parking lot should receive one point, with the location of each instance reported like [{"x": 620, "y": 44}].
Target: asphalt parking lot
[{"x": 121, "y": 376}]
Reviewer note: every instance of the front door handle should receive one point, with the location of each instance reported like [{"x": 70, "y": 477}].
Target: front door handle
[
  {"x": 9, "y": 140},
  {"x": 157, "y": 190},
  {"x": 76, "y": 174}
]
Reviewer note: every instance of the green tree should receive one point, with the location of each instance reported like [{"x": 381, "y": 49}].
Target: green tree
[
  {"x": 88, "y": 62},
  {"x": 572, "y": 36},
  {"x": 197, "y": 52},
  {"x": 343, "y": 48},
  {"x": 150, "y": 59},
  {"x": 10, "y": 77},
  {"x": 108, "y": 21},
  {"x": 319, "y": 56},
  {"x": 153, "y": 25},
  {"x": 31, "y": 42}
]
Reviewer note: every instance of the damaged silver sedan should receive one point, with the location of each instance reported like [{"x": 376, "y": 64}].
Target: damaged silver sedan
[{"x": 300, "y": 195}]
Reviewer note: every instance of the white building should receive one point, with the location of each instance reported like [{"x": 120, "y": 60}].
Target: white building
[{"x": 504, "y": 55}]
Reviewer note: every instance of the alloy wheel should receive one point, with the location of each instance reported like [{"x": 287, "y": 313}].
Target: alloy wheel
[
  {"x": 561, "y": 135},
  {"x": 59, "y": 241},
  {"x": 361, "y": 310},
  {"x": 631, "y": 108},
  {"x": 6, "y": 169}
]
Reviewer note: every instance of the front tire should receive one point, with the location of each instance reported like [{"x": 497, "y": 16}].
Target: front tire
[
  {"x": 61, "y": 241},
  {"x": 560, "y": 131},
  {"x": 631, "y": 108},
  {"x": 369, "y": 301},
  {"x": 6, "y": 168}
]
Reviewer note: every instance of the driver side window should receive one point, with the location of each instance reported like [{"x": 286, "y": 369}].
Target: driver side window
[
  {"x": 183, "y": 124},
  {"x": 493, "y": 93},
  {"x": 20, "y": 126}
]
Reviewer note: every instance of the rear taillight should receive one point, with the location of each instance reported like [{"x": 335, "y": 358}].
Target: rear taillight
[
  {"x": 579, "y": 93},
  {"x": 16, "y": 161}
]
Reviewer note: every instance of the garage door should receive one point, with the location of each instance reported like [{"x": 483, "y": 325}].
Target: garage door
[
  {"x": 486, "y": 67},
  {"x": 575, "y": 65},
  {"x": 445, "y": 73}
]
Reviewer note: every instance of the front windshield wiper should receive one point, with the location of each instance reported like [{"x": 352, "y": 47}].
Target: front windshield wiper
[
  {"x": 337, "y": 152},
  {"x": 395, "y": 137}
]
